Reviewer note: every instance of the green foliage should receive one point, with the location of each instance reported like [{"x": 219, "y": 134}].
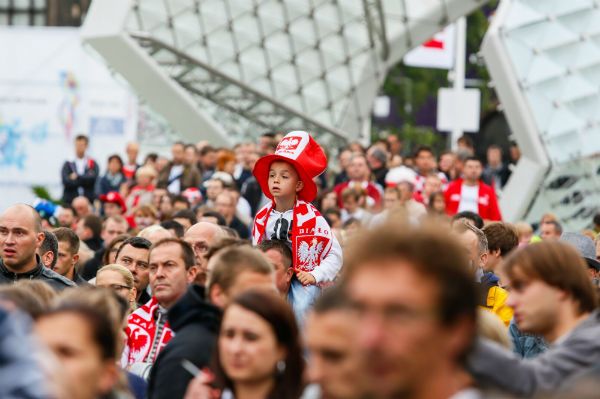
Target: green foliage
[
  {"x": 412, "y": 87},
  {"x": 43, "y": 193}
]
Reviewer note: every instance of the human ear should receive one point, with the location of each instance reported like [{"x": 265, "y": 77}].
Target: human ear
[{"x": 299, "y": 185}]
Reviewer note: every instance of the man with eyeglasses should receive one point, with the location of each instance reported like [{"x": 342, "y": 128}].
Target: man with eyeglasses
[
  {"x": 416, "y": 313},
  {"x": 201, "y": 237},
  {"x": 134, "y": 254}
]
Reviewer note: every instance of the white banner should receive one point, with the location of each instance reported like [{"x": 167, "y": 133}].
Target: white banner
[
  {"x": 50, "y": 91},
  {"x": 436, "y": 53}
]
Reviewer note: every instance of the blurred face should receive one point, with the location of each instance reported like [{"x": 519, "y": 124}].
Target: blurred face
[
  {"x": 471, "y": 245},
  {"x": 213, "y": 189},
  {"x": 112, "y": 209},
  {"x": 201, "y": 236},
  {"x": 80, "y": 148},
  {"x": 18, "y": 239},
  {"x": 143, "y": 220},
  {"x": 168, "y": 276},
  {"x": 116, "y": 282},
  {"x": 87, "y": 375},
  {"x": 66, "y": 260},
  {"x": 598, "y": 250},
  {"x": 190, "y": 156},
  {"x": 209, "y": 160},
  {"x": 334, "y": 362},
  {"x": 112, "y": 229},
  {"x": 446, "y": 162},
  {"x": 144, "y": 179},
  {"x": 283, "y": 272},
  {"x": 494, "y": 156},
  {"x": 399, "y": 336},
  {"x": 132, "y": 151},
  {"x": 406, "y": 192},
  {"x": 157, "y": 196},
  {"x": 548, "y": 232},
  {"x": 81, "y": 206},
  {"x": 425, "y": 162},
  {"x": 439, "y": 204},
  {"x": 390, "y": 199},
  {"x": 345, "y": 159},
  {"x": 114, "y": 166},
  {"x": 329, "y": 201},
  {"x": 283, "y": 180},
  {"x": 472, "y": 170},
  {"x": 358, "y": 169},
  {"x": 225, "y": 205},
  {"x": 248, "y": 348},
  {"x": 66, "y": 218},
  {"x": 534, "y": 303},
  {"x": 395, "y": 145},
  {"x": 432, "y": 184},
  {"x": 136, "y": 261},
  {"x": 177, "y": 153}
]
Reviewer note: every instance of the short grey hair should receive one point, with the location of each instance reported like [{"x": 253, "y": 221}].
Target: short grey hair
[{"x": 481, "y": 238}]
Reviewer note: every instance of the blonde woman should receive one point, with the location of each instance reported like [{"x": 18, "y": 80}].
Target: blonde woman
[{"x": 119, "y": 279}]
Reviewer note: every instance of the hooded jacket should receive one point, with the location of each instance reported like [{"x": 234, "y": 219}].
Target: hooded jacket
[
  {"x": 40, "y": 272},
  {"x": 196, "y": 324},
  {"x": 493, "y": 298}
]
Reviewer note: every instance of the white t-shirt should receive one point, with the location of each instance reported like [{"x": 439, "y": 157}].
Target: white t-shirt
[
  {"x": 175, "y": 186},
  {"x": 469, "y": 199}
]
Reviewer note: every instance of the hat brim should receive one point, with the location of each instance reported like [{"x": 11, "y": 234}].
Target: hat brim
[
  {"x": 592, "y": 263},
  {"x": 261, "y": 172}
]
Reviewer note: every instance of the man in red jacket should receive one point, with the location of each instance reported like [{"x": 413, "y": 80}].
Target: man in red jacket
[{"x": 471, "y": 194}]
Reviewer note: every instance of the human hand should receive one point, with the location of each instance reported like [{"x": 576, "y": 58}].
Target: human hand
[
  {"x": 199, "y": 387},
  {"x": 306, "y": 278},
  {"x": 73, "y": 176}
]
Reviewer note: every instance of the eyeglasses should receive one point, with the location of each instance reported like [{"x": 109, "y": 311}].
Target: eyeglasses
[{"x": 116, "y": 287}]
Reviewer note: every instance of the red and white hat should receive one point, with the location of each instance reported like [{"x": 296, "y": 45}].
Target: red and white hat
[
  {"x": 304, "y": 153},
  {"x": 114, "y": 197}
]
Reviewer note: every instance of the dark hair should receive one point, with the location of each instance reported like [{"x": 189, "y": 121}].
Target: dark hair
[
  {"x": 64, "y": 234},
  {"x": 109, "y": 247},
  {"x": 279, "y": 246},
  {"x": 472, "y": 216},
  {"x": 557, "y": 264},
  {"x": 214, "y": 214},
  {"x": 332, "y": 299},
  {"x": 276, "y": 312},
  {"x": 181, "y": 198},
  {"x": 83, "y": 137},
  {"x": 423, "y": 148},
  {"x": 557, "y": 226},
  {"x": 596, "y": 219},
  {"x": 332, "y": 211},
  {"x": 173, "y": 225},
  {"x": 186, "y": 214},
  {"x": 501, "y": 236},
  {"x": 415, "y": 247},
  {"x": 473, "y": 158},
  {"x": 466, "y": 140},
  {"x": 22, "y": 298},
  {"x": 206, "y": 149},
  {"x": 94, "y": 223},
  {"x": 67, "y": 207},
  {"x": 187, "y": 252},
  {"x": 136, "y": 242},
  {"x": 225, "y": 242},
  {"x": 118, "y": 158},
  {"x": 151, "y": 157},
  {"x": 50, "y": 243}
]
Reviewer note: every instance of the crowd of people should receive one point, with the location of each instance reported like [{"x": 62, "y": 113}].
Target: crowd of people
[{"x": 261, "y": 272}]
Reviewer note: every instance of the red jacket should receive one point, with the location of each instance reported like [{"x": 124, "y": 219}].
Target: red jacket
[{"x": 488, "y": 203}]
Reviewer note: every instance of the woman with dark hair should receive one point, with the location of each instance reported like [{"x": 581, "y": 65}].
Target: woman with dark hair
[
  {"x": 258, "y": 354},
  {"x": 113, "y": 178}
]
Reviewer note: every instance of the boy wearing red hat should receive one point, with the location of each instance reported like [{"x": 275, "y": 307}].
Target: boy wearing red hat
[{"x": 286, "y": 177}]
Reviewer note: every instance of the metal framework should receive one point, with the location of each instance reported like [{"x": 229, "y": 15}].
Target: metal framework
[{"x": 224, "y": 69}]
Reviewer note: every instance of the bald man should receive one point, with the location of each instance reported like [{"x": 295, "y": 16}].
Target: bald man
[
  {"x": 20, "y": 236},
  {"x": 201, "y": 237}
]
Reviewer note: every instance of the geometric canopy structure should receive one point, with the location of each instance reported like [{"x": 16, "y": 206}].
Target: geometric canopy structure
[
  {"x": 544, "y": 59},
  {"x": 225, "y": 69}
]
